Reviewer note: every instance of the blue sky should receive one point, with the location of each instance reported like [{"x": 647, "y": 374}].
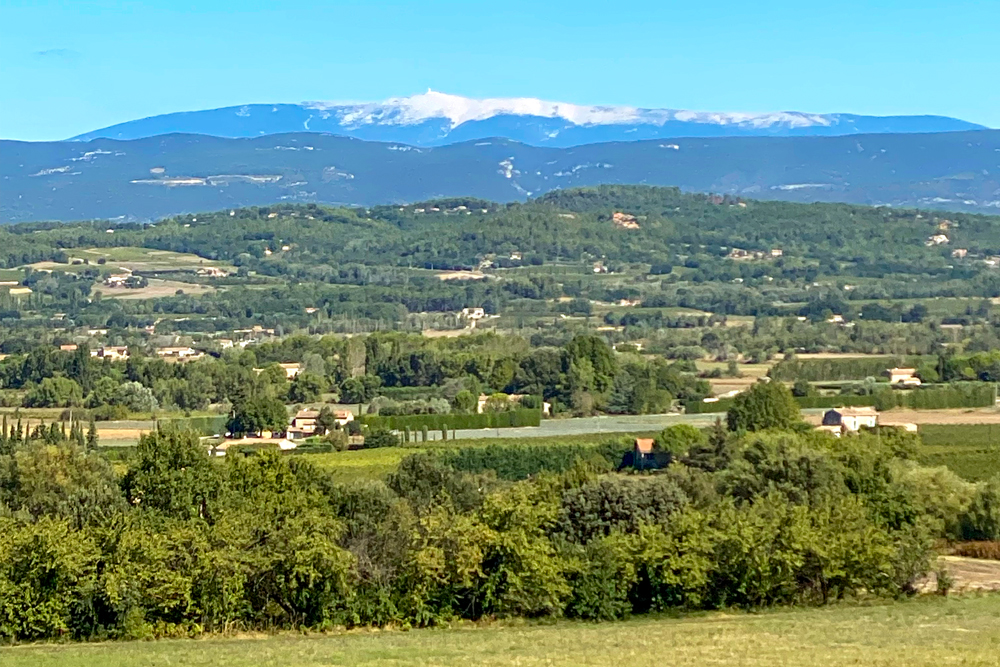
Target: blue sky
[{"x": 71, "y": 66}]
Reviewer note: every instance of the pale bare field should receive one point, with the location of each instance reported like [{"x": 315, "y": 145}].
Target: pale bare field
[
  {"x": 120, "y": 436},
  {"x": 837, "y": 355},
  {"x": 134, "y": 259},
  {"x": 461, "y": 275},
  {"x": 749, "y": 374},
  {"x": 157, "y": 288},
  {"x": 968, "y": 575},
  {"x": 446, "y": 333}
]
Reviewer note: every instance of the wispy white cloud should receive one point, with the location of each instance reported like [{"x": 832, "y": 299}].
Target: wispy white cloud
[{"x": 57, "y": 54}]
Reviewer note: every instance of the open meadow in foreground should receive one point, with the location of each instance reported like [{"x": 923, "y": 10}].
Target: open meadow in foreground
[{"x": 929, "y": 631}]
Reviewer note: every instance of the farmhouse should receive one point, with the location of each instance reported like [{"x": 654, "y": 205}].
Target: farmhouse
[
  {"x": 642, "y": 452},
  {"x": 291, "y": 370},
  {"x": 903, "y": 376},
  {"x": 212, "y": 272},
  {"x": 644, "y": 456},
  {"x": 849, "y": 419},
  {"x": 624, "y": 220},
  {"x": 178, "y": 353},
  {"x": 114, "y": 352},
  {"x": 511, "y": 398},
  {"x": 117, "y": 279},
  {"x": 303, "y": 424}
]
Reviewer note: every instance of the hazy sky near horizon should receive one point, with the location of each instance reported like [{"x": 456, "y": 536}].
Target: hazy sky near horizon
[{"x": 70, "y": 67}]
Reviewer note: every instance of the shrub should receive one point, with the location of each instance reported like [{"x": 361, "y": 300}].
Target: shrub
[
  {"x": 680, "y": 438},
  {"x": 381, "y": 437},
  {"x": 982, "y": 520},
  {"x": 766, "y": 405}
]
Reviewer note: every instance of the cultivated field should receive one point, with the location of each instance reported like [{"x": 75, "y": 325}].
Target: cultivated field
[
  {"x": 133, "y": 258},
  {"x": 749, "y": 375},
  {"x": 157, "y": 288},
  {"x": 927, "y": 632},
  {"x": 970, "y": 450}
]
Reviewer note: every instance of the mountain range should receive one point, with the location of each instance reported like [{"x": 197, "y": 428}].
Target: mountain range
[
  {"x": 436, "y": 119},
  {"x": 152, "y": 177}
]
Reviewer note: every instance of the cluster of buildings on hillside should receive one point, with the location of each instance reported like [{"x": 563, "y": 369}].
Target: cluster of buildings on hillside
[{"x": 739, "y": 254}]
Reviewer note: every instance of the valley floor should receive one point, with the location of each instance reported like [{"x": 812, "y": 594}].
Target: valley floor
[{"x": 924, "y": 632}]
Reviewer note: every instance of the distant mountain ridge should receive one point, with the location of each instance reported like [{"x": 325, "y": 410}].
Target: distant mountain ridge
[
  {"x": 149, "y": 178},
  {"x": 436, "y": 119}
]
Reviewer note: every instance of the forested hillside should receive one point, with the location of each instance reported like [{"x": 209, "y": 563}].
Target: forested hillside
[{"x": 146, "y": 179}]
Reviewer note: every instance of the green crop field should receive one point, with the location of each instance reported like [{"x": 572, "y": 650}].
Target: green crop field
[
  {"x": 920, "y": 633},
  {"x": 970, "y": 450},
  {"x": 377, "y": 463}
]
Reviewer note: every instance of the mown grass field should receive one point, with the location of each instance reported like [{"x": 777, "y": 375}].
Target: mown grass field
[
  {"x": 970, "y": 450},
  {"x": 926, "y": 632}
]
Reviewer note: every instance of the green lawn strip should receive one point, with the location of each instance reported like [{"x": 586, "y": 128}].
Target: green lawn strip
[{"x": 918, "y": 633}]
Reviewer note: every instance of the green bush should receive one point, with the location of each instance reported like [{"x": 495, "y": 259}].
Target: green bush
[{"x": 765, "y": 405}]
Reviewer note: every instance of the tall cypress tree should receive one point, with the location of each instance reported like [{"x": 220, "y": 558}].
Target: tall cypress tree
[{"x": 92, "y": 434}]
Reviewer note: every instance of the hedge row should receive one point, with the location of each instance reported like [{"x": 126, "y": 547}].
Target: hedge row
[
  {"x": 964, "y": 395},
  {"x": 410, "y": 393},
  {"x": 821, "y": 370},
  {"x": 520, "y": 461},
  {"x": 512, "y": 418},
  {"x": 211, "y": 425}
]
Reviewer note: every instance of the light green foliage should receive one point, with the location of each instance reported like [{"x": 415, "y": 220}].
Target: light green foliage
[
  {"x": 62, "y": 481},
  {"x": 254, "y": 415},
  {"x": 134, "y": 397},
  {"x": 617, "y": 504},
  {"x": 981, "y": 520},
  {"x": 766, "y": 405},
  {"x": 172, "y": 474},
  {"x": 679, "y": 439},
  {"x": 54, "y": 392},
  {"x": 526, "y": 574},
  {"x": 46, "y": 570},
  {"x": 498, "y": 402},
  {"x": 465, "y": 401}
]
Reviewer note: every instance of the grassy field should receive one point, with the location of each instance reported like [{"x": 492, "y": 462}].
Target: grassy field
[
  {"x": 377, "y": 463},
  {"x": 970, "y": 450},
  {"x": 920, "y": 633}
]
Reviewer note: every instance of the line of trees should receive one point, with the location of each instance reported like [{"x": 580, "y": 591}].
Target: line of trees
[{"x": 182, "y": 544}]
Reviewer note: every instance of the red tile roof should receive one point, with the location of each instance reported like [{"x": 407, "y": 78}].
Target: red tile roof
[{"x": 644, "y": 445}]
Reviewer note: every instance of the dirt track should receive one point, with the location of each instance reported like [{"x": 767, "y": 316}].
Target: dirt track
[{"x": 969, "y": 574}]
